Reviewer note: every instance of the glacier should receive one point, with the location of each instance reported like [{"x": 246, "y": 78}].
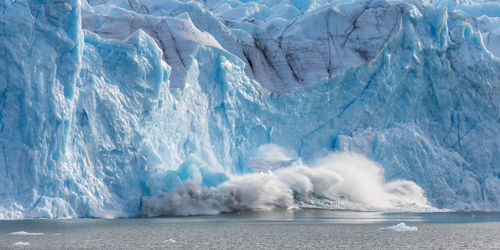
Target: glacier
[{"x": 114, "y": 108}]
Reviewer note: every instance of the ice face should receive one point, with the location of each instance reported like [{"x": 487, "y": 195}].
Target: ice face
[
  {"x": 111, "y": 107},
  {"x": 41, "y": 49}
]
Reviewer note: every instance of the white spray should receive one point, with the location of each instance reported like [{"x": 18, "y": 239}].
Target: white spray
[{"x": 338, "y": 181}]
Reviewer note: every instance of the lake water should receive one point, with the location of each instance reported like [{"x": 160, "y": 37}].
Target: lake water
[{"x": 302, "y": 229}]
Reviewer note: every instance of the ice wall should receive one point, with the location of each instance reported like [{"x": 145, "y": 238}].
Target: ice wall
[
  {"x": 40, "y": 56},
  {"x": 103, "y": 101}
]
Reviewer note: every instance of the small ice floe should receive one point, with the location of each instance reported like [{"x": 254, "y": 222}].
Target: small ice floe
[
  {"x": 170, "y": 241},
  {"x": 20, "y": 243},
  {"x": 399, "y": 228},
  {"x": 24, "y": 233}
]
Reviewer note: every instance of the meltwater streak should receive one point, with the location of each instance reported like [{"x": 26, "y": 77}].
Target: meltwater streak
[{"x": 339, "y": 181}]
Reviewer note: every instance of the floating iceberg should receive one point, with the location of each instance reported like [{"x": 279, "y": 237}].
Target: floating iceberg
[
  {"x": 106, "y": 104},
  {"x": 21, "y": 243},
  {"x": 399, "y": 228},
  {"x": 24, "y": 233}
]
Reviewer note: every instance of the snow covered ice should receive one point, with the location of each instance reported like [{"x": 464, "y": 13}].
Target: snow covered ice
[{"x": 112, "y": 108}]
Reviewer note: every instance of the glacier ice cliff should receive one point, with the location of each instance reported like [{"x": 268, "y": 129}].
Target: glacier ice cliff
[{"x": 144, "y": 107}]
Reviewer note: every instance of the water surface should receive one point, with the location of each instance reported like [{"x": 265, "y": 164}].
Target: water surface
[{"x": 304, "y": 229}]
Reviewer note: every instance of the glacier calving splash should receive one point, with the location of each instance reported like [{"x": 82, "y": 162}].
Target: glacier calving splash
[
  {"x": 337, "y": 181},
  {"x": 141, "y": 107}
]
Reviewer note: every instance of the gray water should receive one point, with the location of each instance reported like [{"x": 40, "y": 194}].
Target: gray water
[{"x": 299, "y": 229}]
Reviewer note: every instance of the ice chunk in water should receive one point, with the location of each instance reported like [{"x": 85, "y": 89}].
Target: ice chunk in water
[
  {"x": 20, "y": 243},
  {"x": 24, "y": 233},
  {"x": 399, "y": 228}
]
